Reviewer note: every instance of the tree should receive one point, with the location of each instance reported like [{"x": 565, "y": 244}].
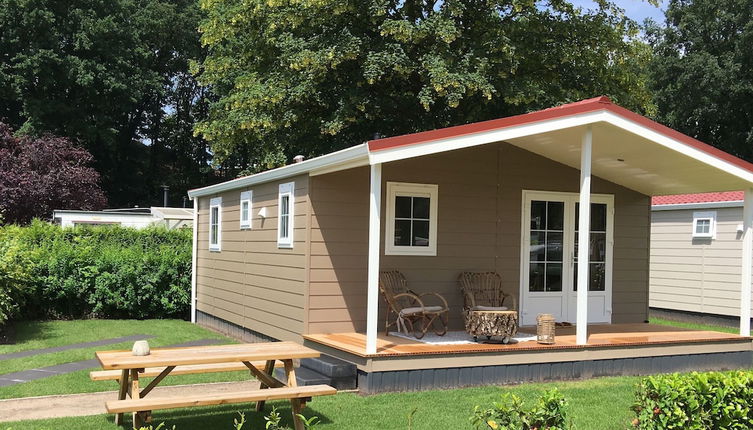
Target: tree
[
  {"x": 702, "y": 72},
  {"x": 39, "y": 175},
  {"x": 307, "y": 77},
  {"x": 109, "y": 74}
]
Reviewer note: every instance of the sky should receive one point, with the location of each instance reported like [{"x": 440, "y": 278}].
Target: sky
[{"x": 638, "y": 10}]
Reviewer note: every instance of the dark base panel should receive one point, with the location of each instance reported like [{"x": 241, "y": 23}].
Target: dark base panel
[
  {"x": 429, "y": 379},
  {"x": 695, "y": 317},
  {"x": 231, "y": 329}
]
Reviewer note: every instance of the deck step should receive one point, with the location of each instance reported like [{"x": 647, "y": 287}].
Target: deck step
[
  {"x": 330, "y": 366},
  {"x": 304, "y": 376},
  {"x": 156, "y": 403}
]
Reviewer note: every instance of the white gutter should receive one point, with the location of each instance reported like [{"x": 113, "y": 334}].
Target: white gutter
[
  {"x": 704, "y": 205},
  {"x": 194, "y": 258},
  {"x": 344, "y": 159}
]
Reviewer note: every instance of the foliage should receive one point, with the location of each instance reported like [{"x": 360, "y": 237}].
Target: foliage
[
  {"x": 701, "y": 74},
  {"x": 549, "y": 412},
  {"x": 38, "y": 175},
  {"x": 14, "y": 277},
  {"x": 107, "y": 272},
  {"x": 113, "y": 75},
  {"x": 695, "y": 401},
  {"x": 308, "y": 77},
  {"x": 272, "y": 422}
]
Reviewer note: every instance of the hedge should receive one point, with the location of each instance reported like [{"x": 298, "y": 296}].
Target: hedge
[
  {"x": 94, "y": 272},
  {"x": 695, "y": 401}
]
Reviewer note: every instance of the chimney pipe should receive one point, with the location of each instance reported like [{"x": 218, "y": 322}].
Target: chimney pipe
[
  {"x": 165, "y": 189},
  {"x": 298, "y": 159}
]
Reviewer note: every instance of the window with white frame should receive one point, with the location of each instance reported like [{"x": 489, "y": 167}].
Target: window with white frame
[
  {"x": 215, "y": 224},
  {"x": 704, "y": 224},
  {"x": 285, "y": 215},
  {"x": 411, "y": 219},
  {"x": 245, "y": 207}
]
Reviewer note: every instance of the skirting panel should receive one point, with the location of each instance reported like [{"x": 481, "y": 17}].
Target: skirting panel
[
  {"x": 428, "y": 379},
  {"x": 230, "y": 329}
]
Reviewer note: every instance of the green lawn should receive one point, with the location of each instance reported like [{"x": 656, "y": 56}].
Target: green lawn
[
  {"x": 695, "y": 326},
  {"x": 35, "y": 335},
  {"x": 597, "y": 404}
]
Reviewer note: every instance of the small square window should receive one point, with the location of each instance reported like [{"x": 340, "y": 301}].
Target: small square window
[
  {"x": 704, "y": 224},
  {"x": 411, "y": 219},
  {"x": 245, "y": 208},
  {"x": 215, "y": 224}
]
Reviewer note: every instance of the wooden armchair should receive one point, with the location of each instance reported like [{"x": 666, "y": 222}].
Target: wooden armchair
[
  {"x": 483, "y": 292},
  {"x": 411, "y": 313}
]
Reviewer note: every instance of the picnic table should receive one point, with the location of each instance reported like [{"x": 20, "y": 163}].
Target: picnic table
[{"x": 259, "y": 358}]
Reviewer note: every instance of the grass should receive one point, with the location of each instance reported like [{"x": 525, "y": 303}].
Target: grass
[
  {"x": 45, "y": 334},
  {"x": 694, "y": 326},
  {"x": 602, "y": 403},
  {"x": 594, "y": 404}
]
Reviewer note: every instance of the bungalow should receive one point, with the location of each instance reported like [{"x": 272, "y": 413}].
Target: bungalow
[
  {"x": 696, "y": 243},
  {"x": 295, "y": 253}
]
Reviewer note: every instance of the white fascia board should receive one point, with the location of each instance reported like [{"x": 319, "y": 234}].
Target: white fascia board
[
  {"x": 482, "y": 138},
  {"x": 704, "y": 205},
  {"x": 685, "y": 149},
  {"x": 343, "y": 158}
]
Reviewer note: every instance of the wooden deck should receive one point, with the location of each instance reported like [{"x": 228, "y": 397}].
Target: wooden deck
[{"x": 600, "y": 336}]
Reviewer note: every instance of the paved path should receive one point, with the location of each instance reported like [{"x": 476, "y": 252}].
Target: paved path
[
  {"x": 77, "y": 405},
  {"x": 103, "y": 342},
  {"x": 61, "y": 369}
]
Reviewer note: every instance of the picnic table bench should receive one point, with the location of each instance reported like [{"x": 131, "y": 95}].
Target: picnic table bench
[{"x": 260, "y": 359}]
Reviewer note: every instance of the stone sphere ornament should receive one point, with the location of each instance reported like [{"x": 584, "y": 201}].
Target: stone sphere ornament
[{"x": 140, "y": 348}]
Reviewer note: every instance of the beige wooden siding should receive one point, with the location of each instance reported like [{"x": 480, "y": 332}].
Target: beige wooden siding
[
  {"x": 697, "y": 275},
  {"x": 251, "y": 282},
  {"x": 479, "y": 207}
]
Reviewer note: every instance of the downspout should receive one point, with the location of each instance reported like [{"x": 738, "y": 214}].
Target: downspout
[{"x": 194, "y": 257}]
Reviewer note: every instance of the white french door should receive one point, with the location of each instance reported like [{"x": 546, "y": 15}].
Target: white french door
[{"x": 549, "y": 262}]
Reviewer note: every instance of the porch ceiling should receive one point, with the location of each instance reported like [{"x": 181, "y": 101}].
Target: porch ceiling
[{"x": 632, "y": 161}]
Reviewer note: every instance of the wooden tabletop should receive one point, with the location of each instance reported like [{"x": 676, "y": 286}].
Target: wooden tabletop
[{"x": 204, "y": 355}]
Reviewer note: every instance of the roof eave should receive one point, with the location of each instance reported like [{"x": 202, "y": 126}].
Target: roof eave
[{"x": 339, "y": 160}]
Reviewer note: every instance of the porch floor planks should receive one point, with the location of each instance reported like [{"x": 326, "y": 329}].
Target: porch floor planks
[{"x": 602, "y": 335}]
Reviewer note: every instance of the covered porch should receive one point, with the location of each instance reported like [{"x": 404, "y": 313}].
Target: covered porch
[{"x": 603, "y": 142}]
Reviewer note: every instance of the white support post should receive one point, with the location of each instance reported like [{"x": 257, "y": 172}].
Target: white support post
[
  {"x": 584, "y": 230},
  {"x": 372, "y": 304},
  {"x": 747, "y": 270},
  {"x": 194, "y": 257}
]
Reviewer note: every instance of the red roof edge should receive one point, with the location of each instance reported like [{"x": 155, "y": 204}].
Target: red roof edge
[
  {"x": 588, "y": 105},
  {"x": 569, "y": 109},
  {"x": 684, "y": 199}
]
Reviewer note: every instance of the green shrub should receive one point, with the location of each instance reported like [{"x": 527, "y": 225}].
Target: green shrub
[
  {"x": 712, "y": 400},
  {"x": 549, "y": 413},
  {"x": 15, "y": 276},
  {"x": 102, "y": 272}
]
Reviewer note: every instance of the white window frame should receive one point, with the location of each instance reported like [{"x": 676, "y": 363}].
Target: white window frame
[
  {"x": 711, "y": 217},
  {"x": 396, "y": 189},
  {"x": 246, "y": 199},
  {"x": 215, "y": 203},
  {"x": 286, "y": 189}
]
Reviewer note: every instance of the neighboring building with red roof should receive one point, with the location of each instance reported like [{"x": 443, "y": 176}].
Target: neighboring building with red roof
[{"x": 696, "y": 248}]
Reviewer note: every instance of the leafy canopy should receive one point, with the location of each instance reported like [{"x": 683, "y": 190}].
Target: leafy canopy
[
  {"x": 311, "y": 76},
  {"x": 39, "y": 175},
  {"x": 702, "y": 72},
  {"x": 112, "y": 75}
]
